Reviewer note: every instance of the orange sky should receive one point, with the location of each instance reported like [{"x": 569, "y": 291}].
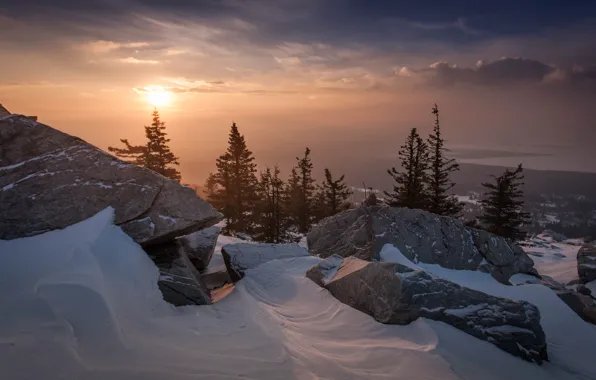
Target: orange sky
[{"x": 346, "y": 98}]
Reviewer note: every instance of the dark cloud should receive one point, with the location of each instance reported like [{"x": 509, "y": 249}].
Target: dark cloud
[{"x": 504, "y": 71}]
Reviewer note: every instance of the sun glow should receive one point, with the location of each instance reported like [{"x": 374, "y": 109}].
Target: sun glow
[{"x": 158, "y": 96}]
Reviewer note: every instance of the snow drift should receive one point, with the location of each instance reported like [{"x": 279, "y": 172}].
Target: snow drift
[{"x": 83, "y": 303}]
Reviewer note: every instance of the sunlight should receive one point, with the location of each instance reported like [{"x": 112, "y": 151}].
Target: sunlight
[{"x": 158, "y": 96}]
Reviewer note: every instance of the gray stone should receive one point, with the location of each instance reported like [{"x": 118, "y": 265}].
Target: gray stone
[
  {"x": 240, "y": 257},
  {"x": 583, "y": 305},
  {"x": 50, "y": 180},
  {"x": 586, "y": 263},
  {"x": 421, "y": 236},
  {"x": 3, "y": 111},
  {"x": 199, "y": 246},
  {"x": 215, "y": 278},
  {"x": 395, "y": 294},
  {"x": 179, "y": 281}
]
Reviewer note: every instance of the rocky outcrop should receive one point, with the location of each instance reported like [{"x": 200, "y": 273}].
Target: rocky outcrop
[
  {"x": 199, "y": 246},
  {"x": 240, "y": 257},
  {"x": 395, "y": 294},
  {"x": 586, "y": 263},
  {"x": 3, "y": 111},
  {"x": 421, "y": 236},
  {"x": 50, "y": 180}
]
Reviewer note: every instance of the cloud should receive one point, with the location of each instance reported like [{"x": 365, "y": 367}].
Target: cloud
[
  {"x": 102, "y": 46},
  {"x": 136, "y": 61},
  {"x": 504, "y": 71},
  {"x": 460, "y": 24}
]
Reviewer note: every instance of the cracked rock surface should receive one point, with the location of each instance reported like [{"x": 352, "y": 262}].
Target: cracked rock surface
[
  {"x": 50, "y": 180},
  {"x": 421, "y": 236}
]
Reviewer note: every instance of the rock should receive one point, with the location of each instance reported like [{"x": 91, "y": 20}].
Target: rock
[
  {"x": 3, "y": 111},
  {"x": 583, "y": 305},
  {"x": 199, "y": 246},
  {"x": 215, "y": 278},
  {"x": 583, "y": 290},
  {"x": 550, "y": 282},
  {"x": 242, "y": 256},
  {"x": 421, "y": 236},
  {"x": 586, "y": 263},
  {"x": 50, "y": 180},
  {"x": 179, "y": 281},
  {"x": 395, "y": 294},
  {"x": 577, "y": 281},
  {"x": 555, "y": 236}
]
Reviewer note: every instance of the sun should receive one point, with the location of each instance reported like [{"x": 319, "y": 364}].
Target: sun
[{"x": 158, "y": 96}]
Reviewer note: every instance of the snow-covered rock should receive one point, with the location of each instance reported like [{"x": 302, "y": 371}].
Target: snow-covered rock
[
  {"x": 199, "y": 246},
  {"x": 240, "y": 257},
  {"x": 398, "y": 294},
  {"x": 586, "y": 263},
  {"x": 50, "y": 180},
  {"x": 421, "y": 236}
]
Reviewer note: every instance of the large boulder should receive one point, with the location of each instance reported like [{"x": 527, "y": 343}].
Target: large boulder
[
  {"x": 421, "y": 236},
  {"x": 50, "y": 180},
  {"x": 395, "y": 294},
  {"x": 199, "y": 246},
  {"x": 586, "y": 263},
  {"x": 242, "y": 256}
]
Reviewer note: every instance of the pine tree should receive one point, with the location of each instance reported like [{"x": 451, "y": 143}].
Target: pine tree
[
  {"x": 272, "y": 220},
  {"x": 438, "y": 182},
  {"x": 235, "y": 192},
  {"x": 503, "y": 205},
  {"x": 301, "y": 192},
  {"x": 156, "y": 154},
  {"x": 336, "y": 194},
  {"x": 320, "y": 210},
  {"x": 409, "y": 189},
  {"x": 293, "y": 197}
]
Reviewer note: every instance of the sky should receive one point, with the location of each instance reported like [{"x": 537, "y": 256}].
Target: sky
[{"x": 515, "y": 81}]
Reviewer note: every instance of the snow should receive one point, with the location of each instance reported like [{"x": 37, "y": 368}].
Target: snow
[
  {"x": 467, "y": 199},
  {"x": 167, "y": 218},
  {"x": 392, "y": 254},
  {"x": 592, "y": 286},
  {"x": 83, "y": 303},
  {"x": 569, "y": 338},
  {"x": 523, "y": 278},
  {"x": 462, "y": 312},
  {"x": 557, "y": 260}
]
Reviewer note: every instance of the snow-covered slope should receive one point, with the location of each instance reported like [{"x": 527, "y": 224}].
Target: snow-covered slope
[
  {"x": 555, "y": 259},
  {"x": 82, "y": 303}
]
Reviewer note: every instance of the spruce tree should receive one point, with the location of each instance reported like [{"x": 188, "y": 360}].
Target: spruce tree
[
  {"x": 503, "y": 205},
  {"x": 302, "y": 189},
  {"x": 293, "y": 198},
  {"x": 409, "y": 190},
  {"x": 438, "y": 183},
  {"x": 272, "y": 220},
  {"x": 236, "y": 192},
  {"x": 156, "y": 154},
  {"x": 336, "y": 194}
]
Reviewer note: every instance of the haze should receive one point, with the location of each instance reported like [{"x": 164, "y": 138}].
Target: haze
[{"x": 515, "y": 81}]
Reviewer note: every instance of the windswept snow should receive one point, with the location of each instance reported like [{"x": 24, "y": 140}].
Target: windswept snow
[
  {"x": 83, "y": 303},
  {"x": 557, "y": 260}
]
